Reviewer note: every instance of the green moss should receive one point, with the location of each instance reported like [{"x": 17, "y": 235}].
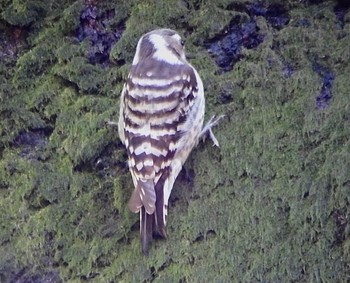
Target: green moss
[
  {"x": 21, "y": 13},
  {"x": 271, "y": 204}
]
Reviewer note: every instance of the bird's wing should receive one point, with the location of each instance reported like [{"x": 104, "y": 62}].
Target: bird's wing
[{"x": 157, "y": 106}]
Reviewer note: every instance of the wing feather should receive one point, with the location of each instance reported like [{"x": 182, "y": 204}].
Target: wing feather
[{"x": 161, "y": 118}]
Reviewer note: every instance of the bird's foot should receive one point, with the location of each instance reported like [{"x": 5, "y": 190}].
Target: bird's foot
[{"x": 207, "y": 129}]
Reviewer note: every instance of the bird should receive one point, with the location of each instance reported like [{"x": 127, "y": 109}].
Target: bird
[{"x": 161, "y": 118}]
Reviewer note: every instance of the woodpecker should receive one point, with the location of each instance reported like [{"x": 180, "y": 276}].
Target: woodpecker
[{"x": 161, "y": 120}]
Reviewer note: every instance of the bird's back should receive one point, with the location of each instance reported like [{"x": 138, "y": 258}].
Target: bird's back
[{"x": 162, "y": 109}]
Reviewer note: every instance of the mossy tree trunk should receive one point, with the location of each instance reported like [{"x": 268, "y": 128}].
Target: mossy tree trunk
[{"x": 271, "y": 204}]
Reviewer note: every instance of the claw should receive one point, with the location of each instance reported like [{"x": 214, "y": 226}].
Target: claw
[{"x": 213, "y": 121}]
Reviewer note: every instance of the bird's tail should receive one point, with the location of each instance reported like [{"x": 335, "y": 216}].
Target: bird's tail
[
  {"x": 153, "y": 225},
  {"x": 160, "y": 211},
  {"x": 146, "y": 229}
]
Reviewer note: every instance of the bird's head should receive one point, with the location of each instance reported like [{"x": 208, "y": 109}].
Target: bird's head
[{"x": 163, "y": 45}]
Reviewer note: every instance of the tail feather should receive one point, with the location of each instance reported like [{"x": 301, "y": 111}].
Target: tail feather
[
  {"x": 146, "y": 230},
  {"x": 160, "y": 211},
  {"x": 153, "y": 225},
  {"x": 158, "y": 224},
  {"x": 143, "y": 195}
]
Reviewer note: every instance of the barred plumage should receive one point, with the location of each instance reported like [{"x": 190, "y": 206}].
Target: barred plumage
[{"x": 160, "y": 121}]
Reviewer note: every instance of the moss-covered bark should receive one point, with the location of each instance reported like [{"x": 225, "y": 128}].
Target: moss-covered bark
[{"x": 271, "y": 205}]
